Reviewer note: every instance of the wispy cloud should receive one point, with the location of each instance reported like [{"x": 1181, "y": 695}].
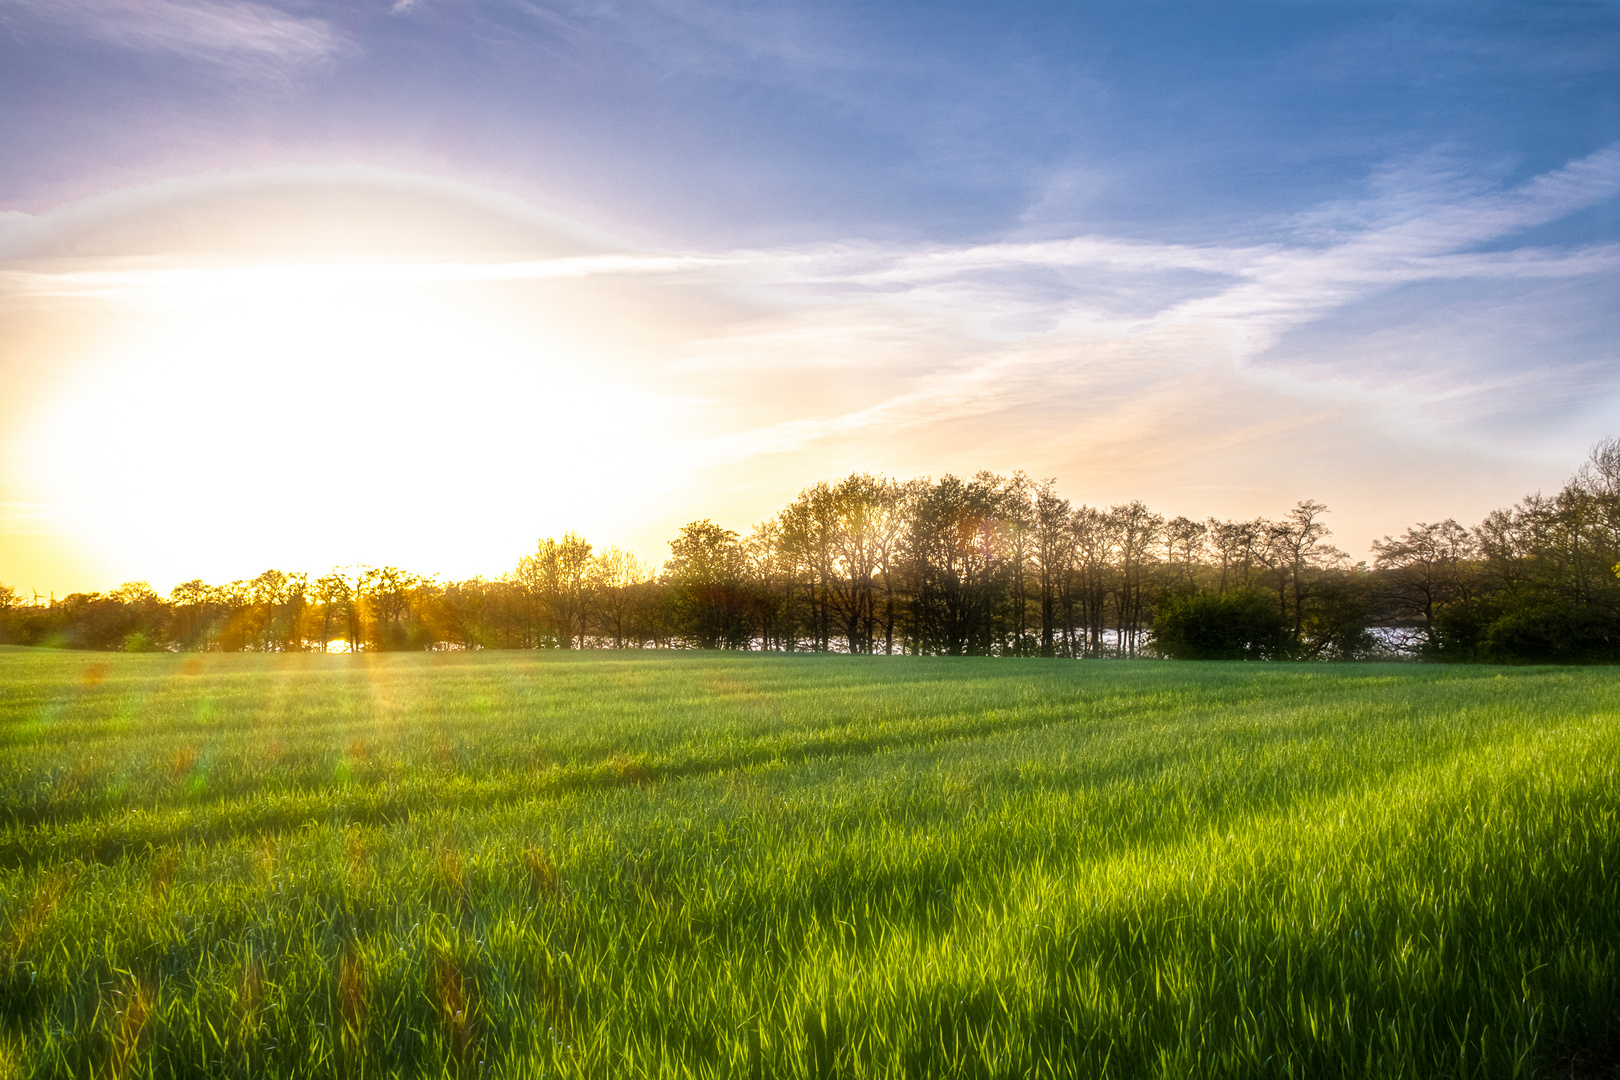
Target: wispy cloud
[
  {"x": 227, "y": 32},
  {"x": 194, "y": 285},
  {"x": 1244, "y": 301},
  {"x": 1288, "y": 286},
  {"x": 948, "y": 328},
  {"x": 1265, "y": 287}
]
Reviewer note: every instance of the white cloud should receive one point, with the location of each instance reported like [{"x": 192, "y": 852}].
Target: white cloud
[
  {"x": 934, "y": 333},
  {"x": 1286, "y": 287},
  {"x": 1246, "y": 298},
  {"x": 196, "y": 285},
  {"x": 1088, "y": 285},
  {"x": 1125, "y": 368},
  {"x": 235, "y": 33}
]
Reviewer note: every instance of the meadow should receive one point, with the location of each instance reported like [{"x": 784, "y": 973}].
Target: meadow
[{"x": 664, "y": 864}]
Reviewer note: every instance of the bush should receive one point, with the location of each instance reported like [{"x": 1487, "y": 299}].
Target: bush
[
  {"x": 1241, "y": 625},
  {"x": 1532, "y": 630},
  {"x": 140, "y": 641}
]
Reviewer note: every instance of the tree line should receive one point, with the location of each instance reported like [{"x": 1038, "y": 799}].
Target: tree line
[{"x": 987, "y": 565}]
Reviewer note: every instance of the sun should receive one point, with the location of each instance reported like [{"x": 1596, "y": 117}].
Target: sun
[{"x": 318, "y": 415}]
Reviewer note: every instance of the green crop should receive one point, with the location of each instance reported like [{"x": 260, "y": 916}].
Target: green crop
[{"x": 655, "y": 864}]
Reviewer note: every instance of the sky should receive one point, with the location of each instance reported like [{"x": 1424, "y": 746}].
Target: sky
[{"x": 303, "y": 284}]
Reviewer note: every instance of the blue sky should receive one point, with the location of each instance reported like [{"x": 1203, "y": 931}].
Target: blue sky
[
  {"x": 1360, "y": 252},
  {"x": 748, "y": 123}
]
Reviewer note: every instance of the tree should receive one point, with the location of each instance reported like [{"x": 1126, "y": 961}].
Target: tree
[
  {"x": 705, "y": 573},
  {"x": 143, "y": 616},
  {"x": 559, "y": 574},
  {"x": 1505, "y": 545},
  {"x": 1054, "y": 556},
  {"x": 865, "y": 524},
  {"x": 1184, "y": 551},
  {"x": 617, "y": 581},
  {"x": 1093, "y": 536},
  {"x": 1426, "y": 568},
  {"x": 1237, "y": 546},
  {"x": 8, "y": 603},
  {"x": 1015, "y": 515},
  {"x": 991, "y": 565},
  {"x": 1295, "y": 547},
  {"x": 1136, "y": 531},
  {"x": 804, "y": 541},
  {"x": 958, "y": 561},
  {"x": 337, "y": 601},
  {"x": 391, "y": 596},
  {"x": 463, "y": 611},
  {"x": 1338, "y": 615},
  {"x": 1546, "y": 593}
]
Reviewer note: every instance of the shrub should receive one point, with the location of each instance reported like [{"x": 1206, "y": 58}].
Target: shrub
[
  {"x": 1533, "y": 630},
  {"x": 1241, "y": 625}
]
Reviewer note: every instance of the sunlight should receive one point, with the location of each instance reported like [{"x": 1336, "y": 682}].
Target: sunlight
[{"x": 301, "y": 420}]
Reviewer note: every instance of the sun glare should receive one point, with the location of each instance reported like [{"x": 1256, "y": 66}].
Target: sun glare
[{"x": 268, "y": 418}]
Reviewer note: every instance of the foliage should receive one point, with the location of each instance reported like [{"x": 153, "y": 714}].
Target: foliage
[
  {"x": 705, "y": 572},
  {"x": 1535, "y": 630},
  {"x": 559, "y": 576},
  {"x": 1241, "y": 625},
  {"x": 986, "y": 566},
  {"x": 1534, "y": 583},
  {"x": 527, "y": 864}
]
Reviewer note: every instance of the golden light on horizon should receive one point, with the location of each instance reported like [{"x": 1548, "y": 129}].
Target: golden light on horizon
[
  {"x": 307, "y": 368},
  {"x": 304, "y": 416},
  {"x": 281, "y": 371}
]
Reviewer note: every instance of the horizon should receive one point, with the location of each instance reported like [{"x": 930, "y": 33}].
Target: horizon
[
  {"x": 656, "y": 568},
  {"x": 419, "y": 282}
]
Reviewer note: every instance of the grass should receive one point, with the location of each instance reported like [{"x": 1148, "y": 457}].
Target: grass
[{"x": 629, "y": 865}]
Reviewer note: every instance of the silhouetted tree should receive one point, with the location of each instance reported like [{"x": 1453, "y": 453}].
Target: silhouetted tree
[
  {"x": 705, "y": 573},
  {"x": 1428, "y": 567}
]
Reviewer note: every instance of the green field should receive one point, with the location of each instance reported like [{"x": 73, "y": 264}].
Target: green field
[{"x": 539, "y": 864}]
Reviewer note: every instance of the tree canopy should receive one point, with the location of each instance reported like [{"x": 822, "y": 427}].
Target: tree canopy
[{"x": 982, "y": 565}]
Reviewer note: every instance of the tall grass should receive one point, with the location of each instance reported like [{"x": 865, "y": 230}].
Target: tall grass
[{"x": 586, "y": 865}]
